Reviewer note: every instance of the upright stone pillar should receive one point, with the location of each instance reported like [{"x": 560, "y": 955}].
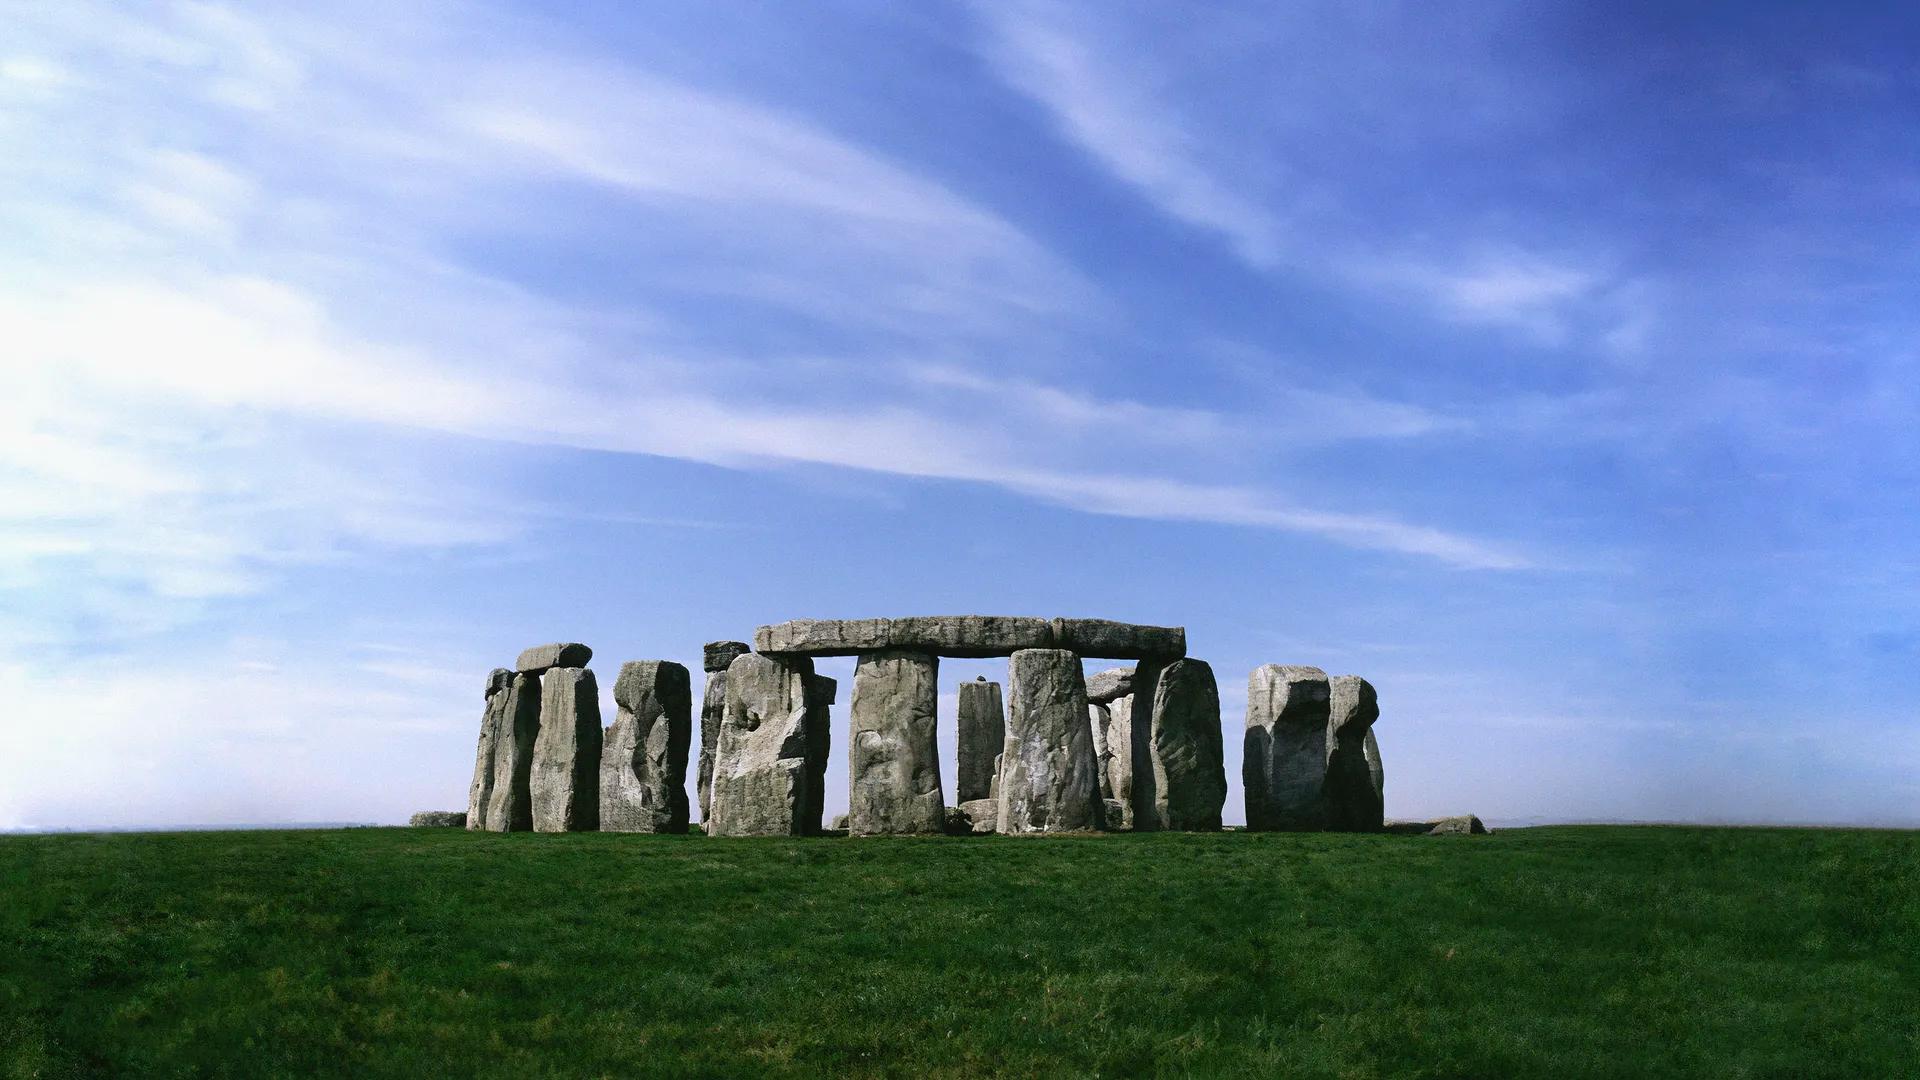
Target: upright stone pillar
[
  {"x": 982, "y": 733},
  {"x": 1354, "y": 804},
  {"x": 1048, "y": 781},
  {"x": 510, "y": 802},
  {"x": 1099, "y": 719},
  {"x": 1284, "y": 764},
  {"x": 762, "y": 772},
  {"x": 1189, "y": 772},
  {"x": 566, "y": 756},
  {"x": 821, "y": 693},
  {"x": 643, "y": 766},
  {"x": 893, "y": 753},
  {"x": 1378, "y": 773},
  {"x": 1144, "y": 785},
  {"x": 713, "y": 710},
  {"x": 480, "y": 792},
  {"x": 1120, "y": 758}
]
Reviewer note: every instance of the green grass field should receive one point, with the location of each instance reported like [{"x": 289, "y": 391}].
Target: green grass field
[{"x": 1590, "y": 951}]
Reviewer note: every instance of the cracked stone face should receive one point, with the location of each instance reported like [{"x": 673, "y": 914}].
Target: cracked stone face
[
  {"x": 1048, "y": 777},
  {"x": 643, "y": 765},
  {"x": 893, "y": 757},
  {"x": 1288, "y": 743}
]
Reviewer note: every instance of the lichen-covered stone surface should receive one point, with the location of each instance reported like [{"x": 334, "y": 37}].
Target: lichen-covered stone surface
[
  {"x": 713, "y": 712},
  {"x": 893, "y": 752},
  {"x": 540, "y": 658},
  {"x": 982, "y": 731},
  {"x": 1119, "y": 763},
  {"x": 716, "y": 655},
  {"x": 1287, "y": 744},
  {"x": 438, "y": 819},
  {"x": 1119, "y": 641},
  {"x": 510, "y": 802},
  {"x": 643, "y": 765},
  {"x": 1189, "y": 771},
  {"x": 762, "y": 775},
  {"x": 1104, "y": 686},
  {"x": 480, "y": 791},
  {"x": 982, "y": 815},
  {"x": 565, "y": 782},
  {"x": 1353, "y": 801},
  {"x": 1099, "y": 717},
  {"x": 971, "y": 636},
  {"x": 1047, "y": 779}
]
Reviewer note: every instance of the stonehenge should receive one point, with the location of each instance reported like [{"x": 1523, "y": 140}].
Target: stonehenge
[
  {"x": 713, "y": 708},
  {"x": 1135, "y": 748},
  {"x": 893, "y": 763},
  {"x": 565, "y": 781},
  {"x": 643, "y": 762},
  {"x": 1047, "y": 781},
  {"x": 982, "y": 731}
]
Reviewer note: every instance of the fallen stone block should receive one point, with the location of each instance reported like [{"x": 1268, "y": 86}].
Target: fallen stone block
[
  {"x": 982, "y": 815},
  {"x": 438, "y": 819}
]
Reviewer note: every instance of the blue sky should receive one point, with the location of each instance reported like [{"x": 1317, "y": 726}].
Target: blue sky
[{"x": 1553, "y": 366}]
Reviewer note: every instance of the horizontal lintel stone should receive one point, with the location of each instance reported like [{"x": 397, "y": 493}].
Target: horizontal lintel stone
[
  {"x": 971, "y": 636},
  {"x": 569, "y": 654}
]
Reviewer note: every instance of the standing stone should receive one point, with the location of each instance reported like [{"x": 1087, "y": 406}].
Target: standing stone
[
  {"x": 1377, "y": 771},
  {"x": 1099, "y": 719},
  {"x": 1353, "y": 803},
  {"x": 481, "y": 790},
  {"x": 713, "y": 710},
  {"x": 1047, "y": 781},
  {"x": 821, "y": 693},
  {"x": 643, "y": 766},
  {"x": 893, "y": 755},
  {"x": 1119, "y": 761},
  {"x": 983, "y": 731},
  {"x": 566, "y": 756},
  {"x": 1143, "y": 785},
  {"x": 762, "y": 776},
  {"x": 1189, "y": 772},
  {"x": 510, "y": 803},
  {"x": 1284, "y": 765}
]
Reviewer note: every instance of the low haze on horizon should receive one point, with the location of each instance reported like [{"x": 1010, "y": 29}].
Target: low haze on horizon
[{"x": 1552, "y": 366}]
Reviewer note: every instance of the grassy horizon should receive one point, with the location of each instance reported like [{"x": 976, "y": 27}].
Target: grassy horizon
[{"x": 1571, "y": 950}]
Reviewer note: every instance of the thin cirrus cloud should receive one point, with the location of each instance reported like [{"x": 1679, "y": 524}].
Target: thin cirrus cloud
[
  {"x": 245, "y": 285},
  {"x": 1270, "y": 191}
]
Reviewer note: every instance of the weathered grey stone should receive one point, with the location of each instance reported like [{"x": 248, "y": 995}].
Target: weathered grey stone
[
  {"x": 982, "y": 733},
  {"x": 1098, "y": 719},
  {"x": 1119, "y": 641},
  {"x": 540, "y": 658},
  {"x": 1353, "y": 803},
  {"x": 713, "y": 712},
  {"x": 1048, "y": 781},
  {"x": 565, "y": 783},
  {"x": 1189, "y": 772},
  {"x": 893, "y": 754},
  {"x": 1376, "y": 771},
  {"x": 1104, "y": 686},
  {"x": 718, "y": 654},
  {"x": 763, "y": 775},
  {"x": 643, "y": 765},
  {"x": 1111, "y": 807},
  {"x": 968, "y": 635},
  {"x": 1463, "y": 825},
  {"x": 1143, "y": 784},
  {"x": 982, "y": 815},
  {"x": 1288, "y": 742},
  {"x": 821, "y": 693},
  {"x": 839, "y": 823},
  {"x": 517, "y": 726},
  {"x": 971, "y": 636},
  {"x": 438, "y": 819},
  {"x": 480, "y": 791},
  {"x": 822, "y": 637},
  {"x": 1119, "y": 763}
]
